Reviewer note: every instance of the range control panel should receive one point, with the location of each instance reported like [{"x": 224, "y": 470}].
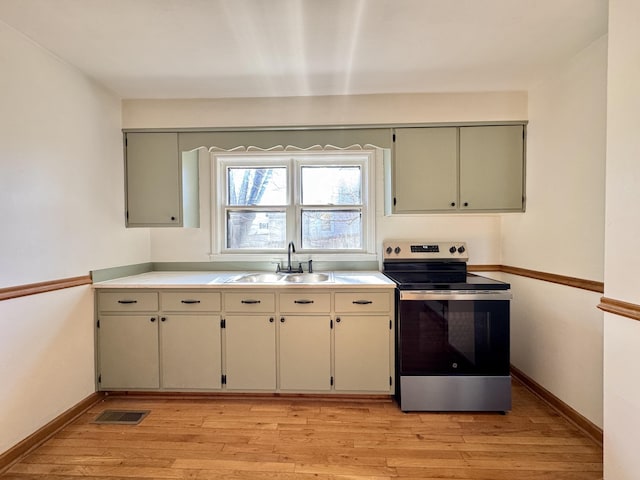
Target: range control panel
[{"x": 409, "y": 250}]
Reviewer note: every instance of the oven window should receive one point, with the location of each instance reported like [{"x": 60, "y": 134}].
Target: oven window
[{"x": 463, "y": 337}]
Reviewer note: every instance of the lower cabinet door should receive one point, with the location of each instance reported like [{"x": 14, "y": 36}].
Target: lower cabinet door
[
  {"x": 305, "y": 352},
  {"x": 250, "y": 352},
  {"x": 128, "y": 352},
  {"x": 190, "y": 352},
  {"x": 362, "y": 353}
]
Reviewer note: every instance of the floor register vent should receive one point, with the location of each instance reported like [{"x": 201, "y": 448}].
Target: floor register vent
[{"x": 121, "y": 417}]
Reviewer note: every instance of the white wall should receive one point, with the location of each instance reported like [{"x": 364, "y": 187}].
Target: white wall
[
  {"x": 482, "y": 232},
  {"x": 557, "y": 330},
  {"x": 46, "y": 359},
  {"x": 329, "y": 110},
  {"x": 62, "y": 187},
  {"x": 61, "y": 201},
  {"x": 622, "y": 261}
]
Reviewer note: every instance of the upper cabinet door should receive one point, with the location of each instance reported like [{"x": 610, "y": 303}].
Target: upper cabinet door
[
  {"x": 425, "y": 169},
  {"x": 153, "y": 180},
  {"x": 491, "y": 168}
]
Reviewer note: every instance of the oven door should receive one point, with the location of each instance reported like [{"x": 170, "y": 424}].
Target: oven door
[{"x": 453, "y": 333}]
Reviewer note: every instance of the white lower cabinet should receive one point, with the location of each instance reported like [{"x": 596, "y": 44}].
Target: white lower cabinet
[
  {"x": 362, "y": 353},
  {"x": 251, "y": 340},
  {"x": 174, "y": 345},
  {"x": 190, "y": 356},
  {"x": 250, "y": 352},
  {"x": 128, "y": 352},
  {"x": 305, "y": 352}
]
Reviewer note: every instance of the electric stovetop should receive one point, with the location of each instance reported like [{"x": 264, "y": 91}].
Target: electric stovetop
[{"x": 433, "y": 266}]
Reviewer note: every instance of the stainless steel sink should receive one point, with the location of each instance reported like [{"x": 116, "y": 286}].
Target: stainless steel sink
[
  {"x": 283, "y": 277},
  {"x": 259, "y": 278},
  {"x": 308, "y": 277}
]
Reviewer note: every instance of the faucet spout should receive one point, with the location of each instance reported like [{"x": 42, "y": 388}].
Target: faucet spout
[{"x": 290, "y": 249}]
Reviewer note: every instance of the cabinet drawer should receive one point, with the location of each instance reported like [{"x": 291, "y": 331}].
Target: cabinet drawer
[
  {"x": 363, "y": 302},
  {"x": 305, "y": 302},
  {"x": 190, "y": 301},
  {"x": 128, "y": 301},
  {"x": 250, "y": 302}
]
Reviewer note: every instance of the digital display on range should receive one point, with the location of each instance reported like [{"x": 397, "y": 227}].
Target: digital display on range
[{"x": 425, "y": 249}]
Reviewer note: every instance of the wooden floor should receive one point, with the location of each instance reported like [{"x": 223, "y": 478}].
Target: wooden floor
[{"x": 296, "y": 438}]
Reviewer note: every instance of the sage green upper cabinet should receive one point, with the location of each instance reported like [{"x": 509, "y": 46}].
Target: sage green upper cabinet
[
  {"x": 491, "y": 168},
  {"x": 161, "y": 182},
  {"x": 426, "y": 170},
  {"x": 458, "y": 169}
]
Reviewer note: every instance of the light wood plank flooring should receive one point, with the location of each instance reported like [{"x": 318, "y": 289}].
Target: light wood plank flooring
[{"x": 320, "y": 439}]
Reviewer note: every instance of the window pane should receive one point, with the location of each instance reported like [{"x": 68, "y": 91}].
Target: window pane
[
  {"x": 331, "y": 229},
  {"x": 256, "y": 186},
  {"x": 331, "y": 185},
  {"x": 256, "y": 230}
]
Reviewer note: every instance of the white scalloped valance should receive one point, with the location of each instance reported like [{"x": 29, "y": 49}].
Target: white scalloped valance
[{"x": 293, "y": 148}]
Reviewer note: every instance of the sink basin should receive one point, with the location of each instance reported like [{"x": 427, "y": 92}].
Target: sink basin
[
  {"x": 259, "y": 278},
  {"x": 283, "y": 277},
  {"x": 308, "y": 277}
]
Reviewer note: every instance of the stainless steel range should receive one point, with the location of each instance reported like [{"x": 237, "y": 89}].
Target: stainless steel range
[{"x": 452, "y": 335}]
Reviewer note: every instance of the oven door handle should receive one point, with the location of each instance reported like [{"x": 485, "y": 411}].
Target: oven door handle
[{"x": 470, "y": 295}]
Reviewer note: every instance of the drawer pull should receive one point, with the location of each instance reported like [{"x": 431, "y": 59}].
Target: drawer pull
[
  {"x": 362, "y": 302},
  {"x": 303, "y": 302},
  {"x": 127, "y": 301},
  {"x": 250, "y": 302},
  {"x": 190, "y": 302}
]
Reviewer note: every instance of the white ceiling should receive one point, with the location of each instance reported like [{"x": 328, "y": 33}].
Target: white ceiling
[{"x": 272, "y": 48}]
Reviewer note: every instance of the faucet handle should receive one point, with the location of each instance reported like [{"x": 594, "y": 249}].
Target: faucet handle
[{"x": 300, "y": 267}]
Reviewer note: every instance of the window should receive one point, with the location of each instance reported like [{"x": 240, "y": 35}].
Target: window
[{"x": 319, "y": 200}]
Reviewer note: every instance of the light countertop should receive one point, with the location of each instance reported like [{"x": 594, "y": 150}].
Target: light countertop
[{"x": 212, "y": 279}]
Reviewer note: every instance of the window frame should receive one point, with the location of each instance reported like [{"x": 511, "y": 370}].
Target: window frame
[{"x": 294, "y": 161}]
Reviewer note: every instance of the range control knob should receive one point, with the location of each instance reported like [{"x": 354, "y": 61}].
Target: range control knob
[
  {"x": 389, "y": 250},
  {"x": 452, "y": 249},
  {"x": 397, "y": 250},
  {"x": 460, "y": 249}
]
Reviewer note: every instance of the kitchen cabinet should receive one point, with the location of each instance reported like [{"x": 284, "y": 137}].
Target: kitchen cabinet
[
  {"x": 426, "y": 170},
  {"x": 190, "y": 352},
  {"x": 362, "y": 353},
  {"x": 491, "y": 168},
  {"x": 304, "y": 334},
  {"x": 458, "y": 169},
  {"x": 364, "y": 338},
  {"x": 161, "y": 182},
  {"x": 250, "y": 352},
  {"x": 190, "y": 341},
  {"x": 246, "y": 340},
  {"x": 159, "y": 340},
  {"x": 128, "y": 352},
  {"x": 250, "y": 340}
]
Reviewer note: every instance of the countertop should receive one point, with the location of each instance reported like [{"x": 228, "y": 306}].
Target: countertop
[{"x": 212, "y": 279}]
